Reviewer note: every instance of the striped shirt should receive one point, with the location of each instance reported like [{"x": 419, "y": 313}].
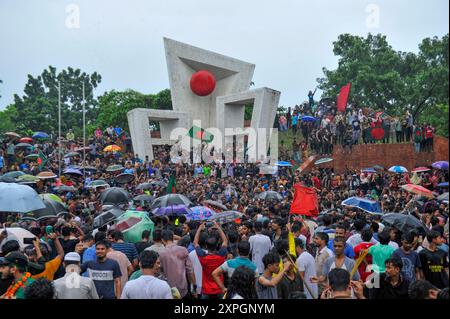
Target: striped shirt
[{"x": 128, "y": 249}]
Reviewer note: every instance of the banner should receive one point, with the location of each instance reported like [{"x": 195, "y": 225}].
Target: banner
[
  {"x": 343, "y": 98},
  {"x": 305, "y": 201}
]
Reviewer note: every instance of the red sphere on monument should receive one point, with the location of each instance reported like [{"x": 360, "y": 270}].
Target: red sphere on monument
[{"x": 203, "y": 83}]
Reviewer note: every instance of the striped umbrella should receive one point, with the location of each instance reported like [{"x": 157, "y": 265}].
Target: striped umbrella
[
  {"x": 418, "y": 190},
  {"x": 398, "y": 169}
]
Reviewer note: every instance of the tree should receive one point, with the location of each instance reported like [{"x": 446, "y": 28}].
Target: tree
[
  {"x": 37, "y": 109},
  {"x": 437, "y": 116},
  {"x": 385, "y": 79},
  {"x": 6, "y": 119}
]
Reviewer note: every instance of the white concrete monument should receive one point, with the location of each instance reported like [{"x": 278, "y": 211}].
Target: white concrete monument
[{"x": 208, "y": 90}]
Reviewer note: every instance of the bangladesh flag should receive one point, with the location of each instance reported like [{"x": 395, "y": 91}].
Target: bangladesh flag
[
  {"x": 378, "y": 132},
  {"x": 172, "y": 186},
  {"x": 42, "y": 160},
  {"x": 200, "y": 134}
]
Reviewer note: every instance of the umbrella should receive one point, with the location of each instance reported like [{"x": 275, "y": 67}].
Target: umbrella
[
  {"x": 32, "y": 156},
  {"x": 72, "y": 154},
  {"x": 171, "y": 210},
  {"x": 114, "y": 196},
  {"x": 284, "y": 164},
  {"x": 107, "y": 217},
  {"x": 27, "y": 178},
  {"x": 225, "y": 217},
  {"x": 88, "y": 168},
  {"x": 308, "y": 118},
  {"x": 379, "y": 167},
  {"x": 38, "y": 135},
  {"x": 364, "y": 204},
  {"x": 144, "y": 198},
  {"x": 200, "y": 213},
  {"x": 158, "y": 183},
  {"x": 7, "y": 179},
  {"x": 65, "y": 188},
  {"x": 270, "y": 195},
  {"x": 52, "y": 209},
  {"x": 114, "y": 168},
  {"x": 398, "y": 169},
  {"x": 124, "y": 178},
  {"x": 171, "y": 199},
  {"x": 443, "y": 197},
  {"x": 20, "y": 145},
  {"x": 14, "y": 174},
  {"x": 323, "y": 160},
  {"x": 73, "y": 171},
  {"x": 52, "y": 197},
  {"x": 26, "y": 140},
  {"x": 421, "y": 169},
  {"x": 404, "y": 223},
  {"x": 214, "y": 204},
  {"x": 81, "y": 149},
  {"x": 19, "y": 198},
  {"x": 112, "y": 148},
  {"x": 419, "y": 190},
  {"x": 46, "y": 175},
  {"x": 16, "y": 233},
  {"x": 445, "y": 184},
  {"x": 99, "y": 183},
  {"x": 369, "y": 170},
  {"x": 144, "y": 186},
  {"x": 443, "y": 165},
  {"x": 12, "y": 134}
]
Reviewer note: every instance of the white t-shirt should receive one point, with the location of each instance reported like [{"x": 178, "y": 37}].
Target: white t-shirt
[
  {"x": 197, "y": 269},
  {"x": 393, "y": 244},
  {"x": 260, "y": 245},
  {"x": 306, "y": 263},
  {"x": 146, "y": 287}
]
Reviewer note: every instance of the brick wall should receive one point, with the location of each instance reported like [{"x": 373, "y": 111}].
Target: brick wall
[{"x": 387, "y": 155}]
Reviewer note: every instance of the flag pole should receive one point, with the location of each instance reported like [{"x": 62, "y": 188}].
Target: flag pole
[
  {"x": 84, "y": 134},
  {"x": 59, "y": 129}
]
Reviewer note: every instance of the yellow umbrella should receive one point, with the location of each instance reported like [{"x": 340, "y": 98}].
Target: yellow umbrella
[{"x": 112, "y": 148}]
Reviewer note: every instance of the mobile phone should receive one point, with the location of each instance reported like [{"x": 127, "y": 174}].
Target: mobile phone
[
  {"x": 28, "y": 241},
  {"x": 209, "y": 224}
]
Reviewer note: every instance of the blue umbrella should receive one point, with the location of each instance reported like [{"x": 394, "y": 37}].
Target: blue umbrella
[
  {"x": 172, "y": 210},
  {"x": 200, "y": 213},
  {"x": 440, "y": 165},
  {"x": 398, "y": 169},
  {"x": 284, "y": 164},
  {"x": 19, "y": 198},
  {"x": 443, "y": 184},
  {"x": 367, "y": 205},
  {"x": 369, "y": 170},
  {"x": 40, "y": 135},
  {"x": 308, "y": 118}
]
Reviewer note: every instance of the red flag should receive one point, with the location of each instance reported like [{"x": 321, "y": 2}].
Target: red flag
[
  {"x": 305, "y": 201},
  {"x": 343, "y": 97}
]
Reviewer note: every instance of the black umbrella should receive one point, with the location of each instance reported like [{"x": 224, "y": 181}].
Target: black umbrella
[
  {"x": 171, "y": 199},
  {"x": 144, "y": 198},
  {"x": 404, "y": 223},
  {"x": 65, "y": 188},
  {"x": 107, "y": 217},
  {"x": 124, "y": 178},
  {"x": 270, "y": 195},
  {"x": 7, "y": 179},
  {"x": 215, "y": 204},
  {"x": 158, "y": 183},
  {"x": 52, "y": 209},
  {"x": 144, "y": 186},
  {"x": 114, "y": 196}
]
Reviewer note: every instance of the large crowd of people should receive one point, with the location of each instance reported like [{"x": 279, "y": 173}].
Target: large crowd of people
[{"x": 265, "y": 253}]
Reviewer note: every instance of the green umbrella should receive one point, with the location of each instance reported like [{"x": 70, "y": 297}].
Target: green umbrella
[
  {"x": 27, "y": 178},
  {"x": 32, "y": 156},
  {"x": 114, "y": 168},
  {"x": 72, "y": 154},
  {"x": 14, "y": 174},
  {"x": 99, "y": 183},
  {"x": 52, "y": 197}
]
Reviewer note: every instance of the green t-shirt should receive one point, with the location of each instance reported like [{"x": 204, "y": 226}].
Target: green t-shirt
[
  {"x": 20, "y": 293},
  {"x": 135, "y": 275},
  {"x": 379, "y": 255},
  {"x": 206, "y": 170}
]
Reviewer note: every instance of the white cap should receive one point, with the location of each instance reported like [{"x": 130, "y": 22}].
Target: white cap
[{"x": 72, "y": 257}]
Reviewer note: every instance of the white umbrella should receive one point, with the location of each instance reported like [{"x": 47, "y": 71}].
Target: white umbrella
[
  {"x": 19, "y": 198},
  {"x": 16, "y": 233}
]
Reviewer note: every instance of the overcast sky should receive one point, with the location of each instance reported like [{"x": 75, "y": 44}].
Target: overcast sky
[{"x": 288, "y": 40}]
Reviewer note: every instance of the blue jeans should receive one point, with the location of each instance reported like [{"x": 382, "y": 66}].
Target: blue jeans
[{"x": 417, "y": 147}]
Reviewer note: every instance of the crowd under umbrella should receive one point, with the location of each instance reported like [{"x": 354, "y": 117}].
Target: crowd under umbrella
[
  {"x": 46, "y": 175},
  {"x": 144, "y": 186},
  {"x": 23, "y": 145},
  {"x": 418, "y": 190},
  {"x": 114, "y": 196},
  {"x": 88, "y": 168},
  {"x": 7, "y": 179},
  {"x": 26, "y": 140},
  {"x": 53, "y": 197},
  {"x": 171, "y": 199},
  {"x": 17, "y": 233},
  {"x": 98, "y": 183},
  {"x": 171, "y": 210},
  {"x": 124, "y": 178},
  {"x": 12, "y": 135},
  {"x": 107, "y": 217},
  {"x": 32, "y": 156},
  {"x": 27, "y": 179},
  {"x": 367, "y": 205},
  {"x": 72, "y": 171},
  {"x": 65, "y": 189},
  {"x": 369, "y": 170},
  {"x": 308, "y": 118},
  {"x": 143, "y": 198},
  {"x": 214, "y": 204},
  {"x": 398, "y": 169},
  {"x": 226, "y": 216},
  {"x": 114, "y": 168},
  {"x": 52, "y": 209},
  {"x": 323, "y": 161},
  {"x": 200, "y": 213},
  {"x": 40, "y": 135},
  {"x": 14, "y": 174},
  {"x": 442, "y": 165},
  {"x": 158, "y": 183},
  {"x": 18, "y": 198},
  {"x": 404, "y": 223},
  {"x": 378, "y": 167},
  {"x": 270, "y": 195},
  {"x": 71, "y": 154}
]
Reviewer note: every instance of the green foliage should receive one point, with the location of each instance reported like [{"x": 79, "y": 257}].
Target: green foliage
[
  {"x": 386, "y": 79},
  {"x": 437, "y": 116},
  {"x": 6, "y": 119}
]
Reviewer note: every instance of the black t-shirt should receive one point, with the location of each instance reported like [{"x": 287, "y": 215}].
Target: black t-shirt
[
  {"x": 69, "y": 245},
  {"x": 356, "y": 125},
  {"x": 5, "y": 283},
  {"x": 140, "y": 246},
  {"x": 433, "y": 266}
]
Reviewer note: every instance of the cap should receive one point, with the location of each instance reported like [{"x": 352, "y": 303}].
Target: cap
[
  {"x": 16, "y": 258},
  {"x": 72, "y": 256}
]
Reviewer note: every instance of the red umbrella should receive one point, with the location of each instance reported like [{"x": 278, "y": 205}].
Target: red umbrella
[
  {"x": 419, "y": 190},
  {"x": 421, "y": 169},
  {"x": 26, "y": 140}
]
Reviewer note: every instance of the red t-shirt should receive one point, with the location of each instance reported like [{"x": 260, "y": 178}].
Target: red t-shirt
[
  {"x": 368, "y": 260},
  {"x": 211, "y": 262},
  {"x": 429, "y": 133},
  {"x": 316, "y": 182}
]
